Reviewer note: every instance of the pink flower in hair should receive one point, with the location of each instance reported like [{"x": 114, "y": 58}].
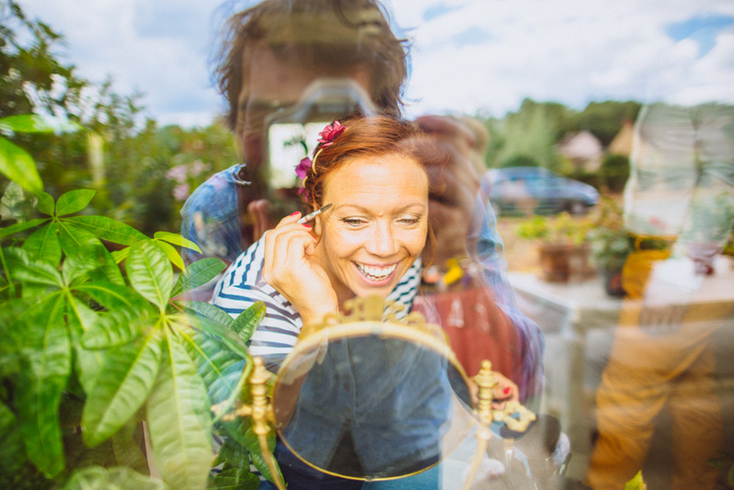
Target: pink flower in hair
[
  {"x": 303, "y": 167},
  {"x": 330, "y": 132}
]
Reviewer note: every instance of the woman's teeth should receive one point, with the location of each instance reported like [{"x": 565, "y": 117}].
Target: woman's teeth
[{"x": 376, "y": 273}]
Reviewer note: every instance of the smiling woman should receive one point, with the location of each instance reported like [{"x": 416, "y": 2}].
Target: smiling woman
[{"x": 372, "y": 171}]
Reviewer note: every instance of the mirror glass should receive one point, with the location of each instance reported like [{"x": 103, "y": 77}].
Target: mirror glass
[{"x": 373, "y": 404}]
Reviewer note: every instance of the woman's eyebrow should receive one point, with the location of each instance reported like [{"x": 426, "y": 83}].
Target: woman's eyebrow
[{"x": 367, "y": 210}]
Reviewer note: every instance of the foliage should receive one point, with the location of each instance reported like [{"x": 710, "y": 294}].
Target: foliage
[
  {"x": 636, "y": 483},
  {"x": 126, "y": 160},
  {"x": 615, "y": 170},
  {"x": 602, "y": 119},
  {"x": 582, "y": 175},
  {"x": 610, "y": 243},
  {"x": 724, "y": 461},
  {"x": 149, "y": 176},
  {"x": 729, "y": 245},
  {"x": 88, "y": 344},
  {"x": 530, "y": 133},
  {"x": 519, "y": 161},
  {"x": 555, "y": 230},
  {"x": 118, "y": 478}
]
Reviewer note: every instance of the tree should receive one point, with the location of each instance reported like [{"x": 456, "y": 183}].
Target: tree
[
  {"x": 603, "y": 119},
  {"x": 531, "y": 134},
  {"x": 127, "y": 161}
]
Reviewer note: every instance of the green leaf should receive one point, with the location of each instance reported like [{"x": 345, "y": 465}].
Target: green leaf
[
  {"x": 74, "y": 242},
  {"x": 636, "y": 483},
  {"x": 18, "y": 165},
  {"x": 120, "y": 255},
  {"x": 172, "y": 254},
  {"x": 129, "y": 373},
  {"x": 235, "y": 472},
  {"x": 719, "y": 463},
  {"x": 219, "y": 330},
  {"x": 114, "y": 296},
  {"x": 226, "y": 389},
  {"x": 118, "y": 478},
  {"x": 13, "y": 335},
  {"x": 118, "y": 327},
  {"x": 247, "y": 322},
  {"x": 43, "y": 244},
  {"x": 197, "y": 274},
  {"x": 12, "y": 452},
  {"x": 235, "y": 479},
  {"x": 18, "y": 227},
  {"x": 87, "y": 363},
  {"x": 179, "y": 421},
  {"x": 39, "y": 386},
  {"x": 45, "y": 203},
  {"x": 74, "y": 201},
  {"x": 222, "y": 371},
  {"x": 86, "y": 258},
  {"x": 176, "y": 239},
  {"x": 150, "y": 273},
  {"x": 126, "y": 446},
  {"x": 200, "y": 309},
  {"x": 24, "y": 269},
  {"x": 31, "y": 123},
  {"x": 107, "y": 229},
  {"x": 253, "y": 445}
]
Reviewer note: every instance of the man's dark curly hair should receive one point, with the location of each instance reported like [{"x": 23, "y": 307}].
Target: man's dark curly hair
[{"x": 325, "y": 33}]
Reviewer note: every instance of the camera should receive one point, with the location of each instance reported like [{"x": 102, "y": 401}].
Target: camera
[{"x": 292, "y": 132}]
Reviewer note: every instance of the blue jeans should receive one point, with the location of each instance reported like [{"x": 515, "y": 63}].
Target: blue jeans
[{"x": 300, "y": 476}]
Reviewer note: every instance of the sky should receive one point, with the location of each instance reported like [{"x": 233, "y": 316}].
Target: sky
[{"x": 467, "y": 56}]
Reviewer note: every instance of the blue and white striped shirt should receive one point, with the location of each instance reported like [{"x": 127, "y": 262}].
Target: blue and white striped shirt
[{"x": 242, "y": 285}]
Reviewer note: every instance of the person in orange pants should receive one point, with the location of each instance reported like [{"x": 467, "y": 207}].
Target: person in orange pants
[
  {"x": 646, "y": 372},
  {"x": 679, "y": 206}
]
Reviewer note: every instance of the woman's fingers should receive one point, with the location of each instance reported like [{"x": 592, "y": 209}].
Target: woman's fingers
[
  {"x": 272, "y": 237},
  {"x": 289, "y": 269},
  {"x": 287, "y": 249},
  {"x": 505, "y": 390}
]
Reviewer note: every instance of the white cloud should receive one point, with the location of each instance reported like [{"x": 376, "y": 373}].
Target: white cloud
[
  {"x": 477, "y": 54},
  {"x": 158, "y": 48},
  {"x": 570, "y": 51}
]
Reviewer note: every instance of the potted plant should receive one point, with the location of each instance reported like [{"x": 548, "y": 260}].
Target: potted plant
[
  {"x": 562, "y": 247},
  {"x": 610, "y": 245},
  {"x": 92, "y": 350}
]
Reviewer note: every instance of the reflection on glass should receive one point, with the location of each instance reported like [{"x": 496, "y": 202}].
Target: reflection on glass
[{"x": 371, "y": 407}]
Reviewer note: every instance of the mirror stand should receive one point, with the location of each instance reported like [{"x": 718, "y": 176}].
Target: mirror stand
[
  {"x": 364, "y": 319},
  {"x": 261, "y": 413},
  {"x": 486, "y": 381}
]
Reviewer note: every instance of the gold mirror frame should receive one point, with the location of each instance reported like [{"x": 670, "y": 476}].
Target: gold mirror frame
[{"x": 363, "y": 317}]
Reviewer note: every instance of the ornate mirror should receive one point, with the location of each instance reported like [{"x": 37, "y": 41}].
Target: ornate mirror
[{"x": 368, "y": 399}]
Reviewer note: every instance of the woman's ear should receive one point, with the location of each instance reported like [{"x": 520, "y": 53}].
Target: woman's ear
[{"x": 317, "y": 226}]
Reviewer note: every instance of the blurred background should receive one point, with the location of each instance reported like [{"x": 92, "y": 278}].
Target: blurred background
[
  {"x": 555, "y": 84},
  {"x": 551, "y": 89}
]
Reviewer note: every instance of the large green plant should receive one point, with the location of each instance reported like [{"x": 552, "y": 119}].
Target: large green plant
[{"x": 91, "y": 349}]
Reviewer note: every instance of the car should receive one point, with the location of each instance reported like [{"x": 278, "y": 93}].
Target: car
[{"x": 528, "y": 190}]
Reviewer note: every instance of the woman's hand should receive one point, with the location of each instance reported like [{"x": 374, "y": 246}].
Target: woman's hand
[
  {"x": 290, "y": 270},
  {"x": 504, "y": 391}
]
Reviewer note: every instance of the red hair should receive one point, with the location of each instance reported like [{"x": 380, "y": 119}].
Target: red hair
[{"x": 367, "y": 137}]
